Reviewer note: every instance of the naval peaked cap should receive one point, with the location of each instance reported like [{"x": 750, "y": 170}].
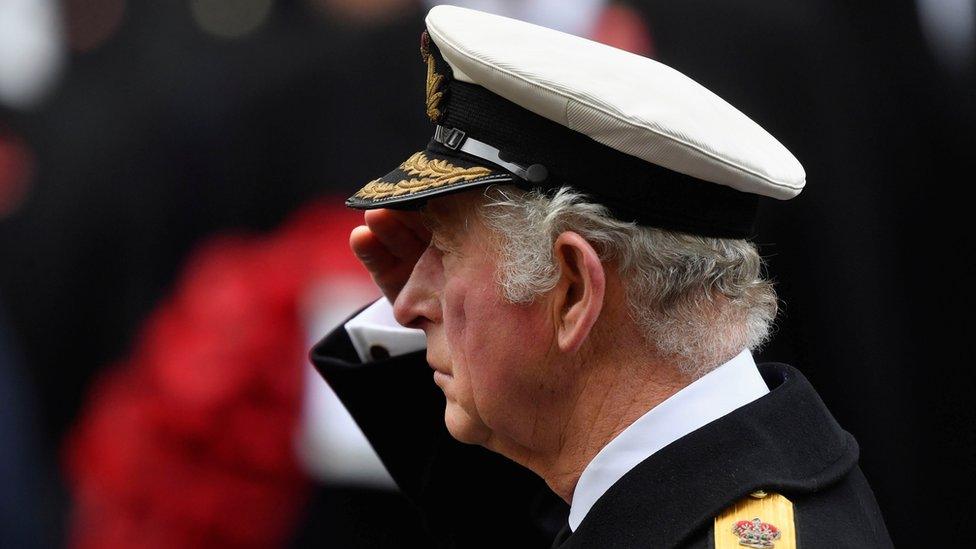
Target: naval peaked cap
[{"x": 517, "y": 103}]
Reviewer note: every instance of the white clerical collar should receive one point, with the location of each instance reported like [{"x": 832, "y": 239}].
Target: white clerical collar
[{"x": 717, "y": 393}]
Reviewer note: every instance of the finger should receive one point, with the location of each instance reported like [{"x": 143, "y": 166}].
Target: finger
[
  {"x": 396, "y": 231},
  {"x": 388, "y": 272},
  {"x": 414, "y": 221},
  {"x": 396, "y": 224},
  {"x": 370, "y": 251}
]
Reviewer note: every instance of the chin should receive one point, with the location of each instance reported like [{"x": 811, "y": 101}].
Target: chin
[{"x": 463, "y": 427}]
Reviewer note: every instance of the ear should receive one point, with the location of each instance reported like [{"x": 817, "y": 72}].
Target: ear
[{"x": 577, "y": 299}]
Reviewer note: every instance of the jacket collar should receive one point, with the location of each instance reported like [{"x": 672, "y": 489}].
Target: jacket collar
[{"x": 786, "y": 441}]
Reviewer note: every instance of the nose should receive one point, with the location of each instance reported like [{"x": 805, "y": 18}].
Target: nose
[{"x": 418, "y": 303}]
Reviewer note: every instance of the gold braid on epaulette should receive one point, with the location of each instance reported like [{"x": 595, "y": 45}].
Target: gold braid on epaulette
[{"x": 428, "y": 174}]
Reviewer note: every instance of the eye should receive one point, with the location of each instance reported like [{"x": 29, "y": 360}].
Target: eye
[
  {"x": 440, "y": 245},
  {"x": 437, "y": 246}
]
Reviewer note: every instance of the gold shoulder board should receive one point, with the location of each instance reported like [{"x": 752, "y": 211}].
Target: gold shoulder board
[{"x": 760, "y": 520}]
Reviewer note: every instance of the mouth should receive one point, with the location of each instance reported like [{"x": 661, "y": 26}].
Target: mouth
[
  {"x": 440, "y": 378},
  {"x": 436, "y": 361},
  {"x": 441, "y": 374},
  {"x": 441, "y": 370}
]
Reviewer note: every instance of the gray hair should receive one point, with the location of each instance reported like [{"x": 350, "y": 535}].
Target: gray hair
[{"x": 697, "y": 300}]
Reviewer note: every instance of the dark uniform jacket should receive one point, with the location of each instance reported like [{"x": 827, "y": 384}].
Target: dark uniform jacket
[{"x": 785, "y": 442}]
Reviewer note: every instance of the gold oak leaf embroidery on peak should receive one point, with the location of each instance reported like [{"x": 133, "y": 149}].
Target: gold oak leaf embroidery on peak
[{"x": 427, "y": 174}]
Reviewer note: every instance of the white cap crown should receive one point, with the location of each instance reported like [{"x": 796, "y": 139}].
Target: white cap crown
[{"x": 630, "y": 103}]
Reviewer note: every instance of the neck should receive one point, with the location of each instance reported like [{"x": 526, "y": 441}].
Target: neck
[{"x": 607, "y": 400}]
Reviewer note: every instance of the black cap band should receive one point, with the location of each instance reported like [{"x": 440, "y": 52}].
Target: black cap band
[{"x": 633, "y": 189}]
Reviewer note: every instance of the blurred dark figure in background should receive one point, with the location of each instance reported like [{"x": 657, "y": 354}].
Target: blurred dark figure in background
[
  {"x": 158, "y": 135},
  {"x": 24, "y": 471},
  {"x": 172, "y": 121}
]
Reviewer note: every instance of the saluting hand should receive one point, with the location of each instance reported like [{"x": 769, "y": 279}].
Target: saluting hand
[{"x": 389, "y": 245}]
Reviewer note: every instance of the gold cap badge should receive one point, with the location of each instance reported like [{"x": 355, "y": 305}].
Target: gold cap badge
[{"x": 434, "y": 79}]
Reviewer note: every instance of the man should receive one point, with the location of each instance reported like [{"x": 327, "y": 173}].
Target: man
[{"x": 572, "y": 245}]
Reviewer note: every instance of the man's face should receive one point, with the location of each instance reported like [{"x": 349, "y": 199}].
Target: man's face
[{"x": 490, "y": 357}]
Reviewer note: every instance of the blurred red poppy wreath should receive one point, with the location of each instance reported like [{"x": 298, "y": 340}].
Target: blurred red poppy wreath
[{"x": 189, "y": 442}]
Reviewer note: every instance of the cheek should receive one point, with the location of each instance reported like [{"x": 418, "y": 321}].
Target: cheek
[{"x": 499, "y": 350}]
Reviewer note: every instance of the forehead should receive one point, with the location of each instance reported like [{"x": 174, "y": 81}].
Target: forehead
[
  {"x": 457, "y": 225},
  {"x": 454, "y": 215}
]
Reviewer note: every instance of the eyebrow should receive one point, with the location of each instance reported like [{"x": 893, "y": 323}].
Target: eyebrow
[
  {"x": 441, "y": 231},
  {"x": 430, "y": 220}
]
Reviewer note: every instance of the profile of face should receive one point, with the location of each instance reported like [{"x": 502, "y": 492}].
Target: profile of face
[
  {"x": 488, "y": 355},
  {"x": 505, "y": 369}
]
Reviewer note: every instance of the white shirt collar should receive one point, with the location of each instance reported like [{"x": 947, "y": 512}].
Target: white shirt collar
[{"x": 717, "y": 393}]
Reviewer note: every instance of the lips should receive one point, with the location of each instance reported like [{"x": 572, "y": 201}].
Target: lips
[
  {"x": 440, "y": 378},
  {"x": 435, "y": 363},
  {"x": 441, "y": 374},
  {"x": 440, "y": 370}
]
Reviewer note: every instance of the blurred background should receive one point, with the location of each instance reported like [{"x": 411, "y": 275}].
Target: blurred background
[{"x": 172, "y": 240}]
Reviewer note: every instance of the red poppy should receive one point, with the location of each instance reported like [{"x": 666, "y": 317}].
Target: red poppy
[{"x": 189, "y": 441}]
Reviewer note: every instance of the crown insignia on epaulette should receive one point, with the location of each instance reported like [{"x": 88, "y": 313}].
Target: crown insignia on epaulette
[{"x": 756, "y": 533}]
